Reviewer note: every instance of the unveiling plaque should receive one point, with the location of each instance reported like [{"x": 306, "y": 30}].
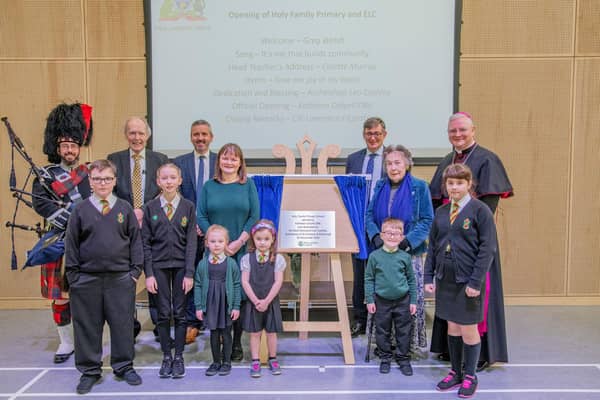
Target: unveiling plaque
[{"x": 307, "y": 229}]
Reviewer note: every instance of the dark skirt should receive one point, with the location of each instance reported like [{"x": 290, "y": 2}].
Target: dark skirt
[
  {"x": 255, "y": 321},
  {"x": 452, "y": 303}
]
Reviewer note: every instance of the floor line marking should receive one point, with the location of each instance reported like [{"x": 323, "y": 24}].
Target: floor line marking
[
  {"x": 297, "y": 392},
  {"x": 28, "y": 385},
  {"x": 335, "y": 366}
]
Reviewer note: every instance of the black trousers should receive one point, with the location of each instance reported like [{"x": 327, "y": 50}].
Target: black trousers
[
  {"x": 97, "y": 298},
  {"x": 358, "y": 291},
  {"x": 398, "y": 313},
  {"x": 171, "y": 302}
]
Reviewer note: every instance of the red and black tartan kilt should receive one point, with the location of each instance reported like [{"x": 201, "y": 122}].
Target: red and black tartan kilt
[{"x": 51, "y": 280}]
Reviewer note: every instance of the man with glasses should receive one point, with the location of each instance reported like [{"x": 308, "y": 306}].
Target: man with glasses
[
  {"x": 64, "y": 183},
  {"x": 366, "y": 161},
  {"x": 136, "y": 180}
]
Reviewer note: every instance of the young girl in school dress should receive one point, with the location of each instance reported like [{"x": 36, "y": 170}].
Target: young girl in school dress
[
  {"x": 217, "y": 298},
  {"x": 169, "y": 240},
  {"x": 262, "y": 276},
  {"x": 462, "y": 245}
]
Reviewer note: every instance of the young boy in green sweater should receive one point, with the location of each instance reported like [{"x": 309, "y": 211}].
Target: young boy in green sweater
[{"x": 391, "y": 294}]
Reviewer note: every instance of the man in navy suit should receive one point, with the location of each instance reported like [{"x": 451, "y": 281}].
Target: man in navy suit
[
  {"x": 196, "y": 168},
  {"x": 366, "y": 161},
  {"x": 137, "y": 132}
]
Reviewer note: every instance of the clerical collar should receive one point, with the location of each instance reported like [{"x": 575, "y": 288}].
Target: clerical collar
[
  {"x": 388, "y": 250},
  {"x": 465, "y": 151}
]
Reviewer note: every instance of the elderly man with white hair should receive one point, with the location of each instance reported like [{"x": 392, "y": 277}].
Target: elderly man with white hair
[{"x": 491, "y": 184}]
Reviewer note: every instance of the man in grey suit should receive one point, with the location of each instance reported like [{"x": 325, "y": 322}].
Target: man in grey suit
[
  {"x": 136, "y": 179},
  {"x": 366, "y": 161},
  {"x": 196, "y": 168}
]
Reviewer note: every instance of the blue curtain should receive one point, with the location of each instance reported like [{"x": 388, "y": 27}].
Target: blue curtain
[
  {"x": 354, "y": 194},
  {"x": 270, "y": 188}
]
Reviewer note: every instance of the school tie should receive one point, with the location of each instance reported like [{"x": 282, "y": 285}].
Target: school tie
[
  {"x": 199, "y": 180},
  {"x": 169, "y": 211},
  {"x": 105, "y": 207},
  {"x": 369, "y": 171},
  {"x": 453, "y": 212},
  {"x": 136, "y": 181},
  {"x": 262, "y": 257},
  {"x": 214, "y": 259}
]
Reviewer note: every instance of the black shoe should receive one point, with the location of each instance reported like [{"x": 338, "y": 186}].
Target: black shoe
[
  {"x": 468, "y": 387},
  {"x": 451, "y": 381},
  {"x": 86, "y": 382},
  {"x": 405, "y": 368},
  {"x": 225, "y": 369},
  {"x": 131, "y": 377},
  {"x": 213, "y": 369},
  {"x": 178, "y": 367},
  {"x": 357, "y": 329},
  {"x": 237, "y": 354},
  {"x": 166, "y": 368},
  {"x": 137, "y": 328},
  {"x": 482, "y": 365},
  {"x": 61, "y": 358},
  {"x": 385, "y": 367},
  {"x": 443, "y": 357},
  {"x": 377, "y": 352}
]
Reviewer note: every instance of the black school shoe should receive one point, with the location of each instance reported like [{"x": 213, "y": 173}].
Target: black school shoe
[
  {"x": 405, "y": 368},
  {"x": 131, "y": 377},
  {"x": 385, "y": 366},
  {"x": 166, "y": 368},
  {"x": 213, "y": 369},
  {"x": 237, "y": 354},
  {"x": 468, "y": 387},
  {"x": 178, "y": 367},
  {"x": 86, "y": 382},
  {"x": 225, "y": 369}
]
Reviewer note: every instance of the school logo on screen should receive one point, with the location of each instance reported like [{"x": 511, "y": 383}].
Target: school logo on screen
[{"x": 174, "y": 10}]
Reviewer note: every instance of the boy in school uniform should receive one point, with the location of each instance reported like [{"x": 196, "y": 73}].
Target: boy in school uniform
[
  {"x": 103, "y": 261},
  {"x": 391, "y": 294}
]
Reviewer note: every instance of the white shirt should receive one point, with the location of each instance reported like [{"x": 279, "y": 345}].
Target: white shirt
[
  {"x": 279, "y": 262},
  {"x": 112, "y": 199}
]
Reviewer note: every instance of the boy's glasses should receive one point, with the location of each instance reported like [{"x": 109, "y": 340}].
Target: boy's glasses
[
  {"x": 108, "y": 179},
  {"x": 392, "y": 233}
]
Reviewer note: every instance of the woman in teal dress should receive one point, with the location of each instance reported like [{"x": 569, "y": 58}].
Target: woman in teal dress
[{"x": 230, "y": 200}]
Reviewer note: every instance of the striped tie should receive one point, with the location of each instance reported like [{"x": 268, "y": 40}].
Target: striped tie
[
  {"x": 169, "y": 211},
  {"x": 214, "y": 259},
  {"x": 105, "y": 207},
  {"x": 262, "y": 257},
  {"x": 453, "y": 212},
  {"x": 136, "y": 181}
]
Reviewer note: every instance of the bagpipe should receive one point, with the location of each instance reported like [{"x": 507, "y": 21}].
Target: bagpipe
[{"x": 50, "y": 246}]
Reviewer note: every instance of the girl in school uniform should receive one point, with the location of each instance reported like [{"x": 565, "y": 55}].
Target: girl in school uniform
[
  {"x": 217, "y": 298},
  {"x": 462, "y": 246},
  {"x": 169, "y": 240},
  {"x": 262, "y": 276}
]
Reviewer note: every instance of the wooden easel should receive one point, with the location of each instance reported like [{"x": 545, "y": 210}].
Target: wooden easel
[{"x": 307, "y": 192}]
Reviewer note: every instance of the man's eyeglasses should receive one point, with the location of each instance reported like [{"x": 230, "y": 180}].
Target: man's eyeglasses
[
  {"x": 108, "y": 179},
  {"x": 392, "y": 233},
  {"x": 374, "y": 134}
]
